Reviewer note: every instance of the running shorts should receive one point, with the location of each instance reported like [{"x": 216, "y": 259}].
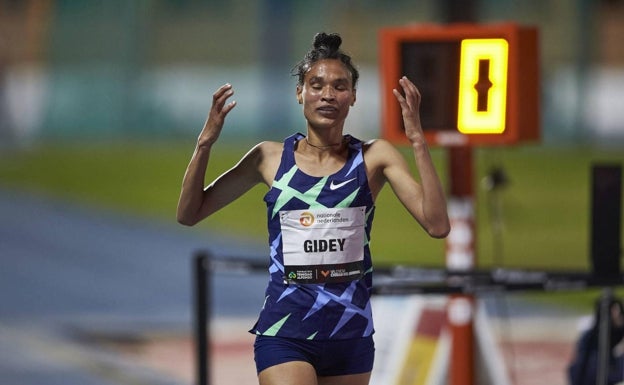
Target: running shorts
[{"x": 328, "y": 357}]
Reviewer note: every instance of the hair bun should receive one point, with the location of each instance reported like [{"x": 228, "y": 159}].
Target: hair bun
[
  {"x": 325, "y": 46},
  {"x": 331, "y": 41}
]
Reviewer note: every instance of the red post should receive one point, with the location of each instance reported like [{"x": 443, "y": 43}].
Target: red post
[{"x": 460, "y": 255}]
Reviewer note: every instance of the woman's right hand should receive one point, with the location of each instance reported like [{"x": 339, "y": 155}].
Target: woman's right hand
[{"x": 216, "y": 116}]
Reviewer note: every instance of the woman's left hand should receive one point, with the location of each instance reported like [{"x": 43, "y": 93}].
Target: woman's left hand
[{"x": 410, "y": 109}]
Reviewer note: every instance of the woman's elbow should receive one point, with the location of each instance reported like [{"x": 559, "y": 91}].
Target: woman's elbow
[
  {"x": 186, "y": 219},
  {"x": 439, "y": 231},
  {"x": 192, "y": 217},
  {"x": 439, "y": 234},
  {"x": 186, "y": 222}
]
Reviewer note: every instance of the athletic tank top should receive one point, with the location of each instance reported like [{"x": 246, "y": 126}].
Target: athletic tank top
[{"x": 320, "y": 263}]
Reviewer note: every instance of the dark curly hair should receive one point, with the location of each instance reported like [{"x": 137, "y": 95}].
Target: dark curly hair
[{"x": 325, "y": 47}]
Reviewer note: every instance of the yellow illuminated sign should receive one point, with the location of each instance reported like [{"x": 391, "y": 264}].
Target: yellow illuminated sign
[{"x": 482, "y": 86}]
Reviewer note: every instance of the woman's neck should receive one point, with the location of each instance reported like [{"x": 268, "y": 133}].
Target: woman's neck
[{"x": 325, "y": 146}]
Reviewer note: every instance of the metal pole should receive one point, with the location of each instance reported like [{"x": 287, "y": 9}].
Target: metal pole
[
  {"x": 604, "y": 337},
  {"x": 606, "y": 223},
  {"x": 461, "y": 255},
  {"x": 460, "y": 252},
  {"x": 202, "y": 298},
  {"x": 605, "y": 252}
]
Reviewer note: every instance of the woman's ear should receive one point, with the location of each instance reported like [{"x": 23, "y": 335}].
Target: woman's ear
[{"x": 299, "y": 97}]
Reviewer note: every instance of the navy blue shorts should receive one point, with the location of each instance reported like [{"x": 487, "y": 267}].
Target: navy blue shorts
[{"x": 328, "y": 357}]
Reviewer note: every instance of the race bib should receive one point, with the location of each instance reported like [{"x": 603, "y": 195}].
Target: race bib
[{"x": 323, "y": 245}]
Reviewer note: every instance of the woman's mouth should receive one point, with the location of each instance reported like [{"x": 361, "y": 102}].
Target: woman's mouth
[{"x": 327, "y": 110}]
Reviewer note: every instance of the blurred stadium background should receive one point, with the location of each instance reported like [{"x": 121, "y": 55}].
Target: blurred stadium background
[
  {"x": 92, "y": 69},
  {"x": 120, "y": 89},
  {"x": 101, "y": 101}
]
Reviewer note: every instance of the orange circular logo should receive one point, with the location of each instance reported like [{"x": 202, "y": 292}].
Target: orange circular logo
[{"x": 306, "y": 219}]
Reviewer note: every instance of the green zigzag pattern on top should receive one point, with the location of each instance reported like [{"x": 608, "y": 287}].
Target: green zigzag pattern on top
[
  {"x": 287, "y": 193},
  {"x": 275, "y": 328},
  {"x": 309, "y": 197}
]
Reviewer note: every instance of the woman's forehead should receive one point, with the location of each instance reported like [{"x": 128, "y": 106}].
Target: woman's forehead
[{"x": 328, "y": 69}]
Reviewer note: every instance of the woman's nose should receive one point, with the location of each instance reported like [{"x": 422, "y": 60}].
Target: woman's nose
[{"x": 328, "y": 93}]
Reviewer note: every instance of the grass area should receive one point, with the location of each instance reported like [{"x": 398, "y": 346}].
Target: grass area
[{"x": 544, "y": 208}]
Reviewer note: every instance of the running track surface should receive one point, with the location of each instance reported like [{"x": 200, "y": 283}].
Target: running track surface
[
  {"x": 81, "y": 289},
  {"x": 72, "y": 273}
]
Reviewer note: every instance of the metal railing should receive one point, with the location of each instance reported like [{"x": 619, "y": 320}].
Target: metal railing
[{"x": 402, "y": 280}]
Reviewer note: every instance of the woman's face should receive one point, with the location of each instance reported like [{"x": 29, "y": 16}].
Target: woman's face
[{"x": 327, "y": 94}]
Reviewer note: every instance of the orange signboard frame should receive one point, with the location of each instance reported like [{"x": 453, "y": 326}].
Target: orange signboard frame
[{"x": 522, "y": 118}]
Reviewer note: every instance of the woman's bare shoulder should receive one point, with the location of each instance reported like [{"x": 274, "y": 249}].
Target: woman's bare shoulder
[
  {"x": 267, "y": 156},
  {"x": 378, "y": 149},
  {"x": 267, "y": 150},
  {"x": 376, "y": 143},
  {"x": 270, "y": 146},
  {"x": 263, "y": 150}
]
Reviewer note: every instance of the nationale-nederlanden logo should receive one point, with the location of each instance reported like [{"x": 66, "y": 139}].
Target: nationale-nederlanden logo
[{"x": 306, "y": 219}]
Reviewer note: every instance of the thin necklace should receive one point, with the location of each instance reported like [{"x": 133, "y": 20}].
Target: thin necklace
[{"x": 325, "y": 146}]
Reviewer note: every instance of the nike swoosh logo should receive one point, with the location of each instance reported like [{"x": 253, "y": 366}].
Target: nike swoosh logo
[{"x": 335, "y": 186}]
